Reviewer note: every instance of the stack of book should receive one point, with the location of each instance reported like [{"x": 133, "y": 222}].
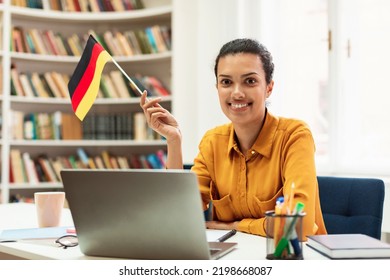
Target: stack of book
[
  {"x": 81, "y": 5},
  {"x": 27, "y": 169},
  {"x": 53, "y": 84},
  {"x": 349, "y": 246},
  {"x": 152, "y": 39}
]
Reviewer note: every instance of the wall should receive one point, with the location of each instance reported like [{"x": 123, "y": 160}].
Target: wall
[{"x": 200, "y": 28}]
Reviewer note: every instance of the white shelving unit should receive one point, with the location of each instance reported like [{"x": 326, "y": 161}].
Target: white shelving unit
[{"x": 158, "y": 65}]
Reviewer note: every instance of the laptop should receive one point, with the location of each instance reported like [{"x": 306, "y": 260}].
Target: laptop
[{"x": 139, "y": 214}]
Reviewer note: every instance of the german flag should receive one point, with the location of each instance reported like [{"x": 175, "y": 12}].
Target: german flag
[{"x": 84, "y": 84}]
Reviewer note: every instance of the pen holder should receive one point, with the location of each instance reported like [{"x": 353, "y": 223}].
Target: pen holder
[{"x": 284, "y": 236}]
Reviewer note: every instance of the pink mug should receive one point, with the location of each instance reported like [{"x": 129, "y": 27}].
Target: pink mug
[{"x": 49, "y": 207}]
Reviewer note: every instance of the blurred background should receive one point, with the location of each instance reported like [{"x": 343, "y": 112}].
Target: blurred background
[{"x": 331, "y": 70}]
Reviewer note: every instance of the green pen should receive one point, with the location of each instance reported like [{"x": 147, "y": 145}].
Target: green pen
[{"x": 284, "y": 240}]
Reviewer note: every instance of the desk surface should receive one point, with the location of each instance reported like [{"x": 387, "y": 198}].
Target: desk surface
[{"x": 18, "y": 215}]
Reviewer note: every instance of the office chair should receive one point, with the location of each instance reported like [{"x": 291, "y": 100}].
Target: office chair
[{"x": 352, "y": 205}]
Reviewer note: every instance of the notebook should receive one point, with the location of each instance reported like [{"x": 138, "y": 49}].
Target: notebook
[
  {"x": 139, "y": 214},
  {"x": 349, "y": 246}
]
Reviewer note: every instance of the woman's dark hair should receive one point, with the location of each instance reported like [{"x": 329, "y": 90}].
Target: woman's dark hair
[{"x": 248, "y": 46}]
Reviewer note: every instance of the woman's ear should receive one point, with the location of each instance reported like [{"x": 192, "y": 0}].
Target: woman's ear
[{"x": 270, "y": 86}]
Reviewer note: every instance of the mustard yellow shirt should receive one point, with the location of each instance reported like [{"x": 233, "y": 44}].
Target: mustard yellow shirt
[{"x": 243, "y": 187}]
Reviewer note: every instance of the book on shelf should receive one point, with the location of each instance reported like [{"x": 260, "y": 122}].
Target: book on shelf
[
  {"x": 32, "y": 175},
  {"x": 155, "y": 86},
  {"x": 35, "y": 92},
  {"x": 73, "y": 5},
  {"x": 166, "y": 34},
  {"x": 29, "y": 125},
  {"x": 132, "y": 39},
  {"x": 349, "y": 246},
  {"x": 111, "y": 43},
  {"x": 156, "y": 30},
  {"x": 18, "y": 44},
  {"x": 74, "y": 45},
  {"x": 47, "y": 168},
  {"x": 15, "y": 81},
  {"x": 57, "y": 166},
  {"x": 99, "y": 162},
  {"x": 114, "y": 162},
  {"x": 53, "y": 5},
  {"x": 46, "y": 86},
  {"x": 137, "y": 80},
  {"x": 50, "y": 39},
  {"x": 108, "y": 86},
  {"x": 106, "y": 159},
  {"x": 28, "y": 4},
  {"x": 94, "y": 6},
  {"x": 26, "y": 85},
  {"x": 46, "y": 43},
  {"x": 17, "y": 119},
  {"x": 64, "y": 43},
  {"x": 84, "y": 6},
  {"x": 44, "y": 126},
  {"x": 60, "y": 44},
  {"x": 56, "y": 119},
  {"x": 108, "y": 7},
  {"x": 154, "y": 161},
  {"x": 144, "y": 162},
  {"x": 37, "y": 41},
  {"x": 151, "y": 39},
  {"x": 74, "y": 162},
  {"x": 17, "y": 168},
  {"x": 71, "y": 128},
  {"x": 30, "y": 47},
  {"x": 119, "y": 84},
  {"x": 123, "y": 162},
  {"x": 83, "y": 157},
  {"x": 65, "y": 162},
  {"x": 38, "y": 85},
  {"x": 124, "y": 45},
  {"x": 52, "y": 85},
  {"x": 162, "y": 157},
  {"x": 118, "y": 6},
  {"x": 140, "y": 130},
  {"x": 59, "y": 80},
  {"x": 143, "y": 41}
]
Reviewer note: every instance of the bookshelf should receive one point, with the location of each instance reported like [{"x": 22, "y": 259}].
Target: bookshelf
[{"x": 143, "y": 65}]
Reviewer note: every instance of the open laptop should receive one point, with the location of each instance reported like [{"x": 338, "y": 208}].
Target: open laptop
[{"x": 139, "y": 214}]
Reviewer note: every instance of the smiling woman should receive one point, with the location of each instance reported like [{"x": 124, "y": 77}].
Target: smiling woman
[{"x": 245, "y": 165}]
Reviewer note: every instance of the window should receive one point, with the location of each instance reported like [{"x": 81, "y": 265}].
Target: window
[{"x": 331, "y": 60}]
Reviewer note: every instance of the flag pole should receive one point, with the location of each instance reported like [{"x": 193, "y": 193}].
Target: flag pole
[{"x": 127, "y": 76}]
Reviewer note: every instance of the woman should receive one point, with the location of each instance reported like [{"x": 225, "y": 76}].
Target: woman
[{"x": 245, "y": 165}]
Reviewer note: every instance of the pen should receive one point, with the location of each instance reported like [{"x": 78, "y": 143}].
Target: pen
[
  {"x": 227, "y": 235},
  {"x": 285, "y": 238}
]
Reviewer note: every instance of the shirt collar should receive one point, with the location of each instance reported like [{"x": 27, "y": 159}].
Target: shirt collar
[{"x": 264, "y": 141}]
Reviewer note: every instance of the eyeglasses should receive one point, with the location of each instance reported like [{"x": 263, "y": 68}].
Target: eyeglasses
[{"x": 67, "y": 241}]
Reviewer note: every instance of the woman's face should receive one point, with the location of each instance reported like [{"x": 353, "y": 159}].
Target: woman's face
[{"x": 242, "y": 88}]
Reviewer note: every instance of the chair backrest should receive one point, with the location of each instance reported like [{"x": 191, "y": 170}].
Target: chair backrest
[{"x": 352, "y": 205}]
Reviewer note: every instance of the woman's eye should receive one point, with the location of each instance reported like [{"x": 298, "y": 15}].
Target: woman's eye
[
  {"x": 250, "y": 81},
  {"x": 225, "y": 82}
]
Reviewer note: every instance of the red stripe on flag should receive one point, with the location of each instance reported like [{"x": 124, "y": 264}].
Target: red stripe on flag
[{"x": 87, "y": 78}]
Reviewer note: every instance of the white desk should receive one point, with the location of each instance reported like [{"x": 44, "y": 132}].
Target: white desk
[{"x": 250, "y": 247}]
